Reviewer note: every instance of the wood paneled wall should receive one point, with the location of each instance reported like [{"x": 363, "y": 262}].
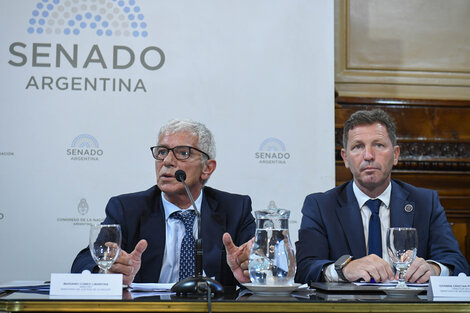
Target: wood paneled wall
[{"x": 434, "y": 138}]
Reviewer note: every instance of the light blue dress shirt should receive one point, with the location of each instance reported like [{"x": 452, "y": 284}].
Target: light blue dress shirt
[{"x": 174, "y": 236}]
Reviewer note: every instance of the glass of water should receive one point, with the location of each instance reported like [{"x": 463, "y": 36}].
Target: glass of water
[
  {"x": 105, "y": 245},
  {"x": 402, "y": 244}
]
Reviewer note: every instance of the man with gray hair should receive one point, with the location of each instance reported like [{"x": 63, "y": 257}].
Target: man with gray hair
[
  {"x": 158, "y": 225},
  {"x": 342, "y": 236}
]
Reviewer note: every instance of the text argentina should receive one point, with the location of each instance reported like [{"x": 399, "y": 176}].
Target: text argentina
[{"x": 85, "y": 84}]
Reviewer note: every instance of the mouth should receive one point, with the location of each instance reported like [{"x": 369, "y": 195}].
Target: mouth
[{"x": 167, "y": 176}]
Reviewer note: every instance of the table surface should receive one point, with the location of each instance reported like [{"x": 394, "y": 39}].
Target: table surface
[{"x": 306, "y": 300}]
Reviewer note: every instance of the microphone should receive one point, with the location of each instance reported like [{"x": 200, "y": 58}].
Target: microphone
[
  {"x": 180, "y": 176},
  {"x": 197, "y": 284}
]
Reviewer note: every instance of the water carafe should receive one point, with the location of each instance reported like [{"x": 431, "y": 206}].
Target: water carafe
[{"x": 272, "y": 259}]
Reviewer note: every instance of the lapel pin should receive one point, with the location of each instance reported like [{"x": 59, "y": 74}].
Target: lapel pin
[{"x": 408, "y": 208}]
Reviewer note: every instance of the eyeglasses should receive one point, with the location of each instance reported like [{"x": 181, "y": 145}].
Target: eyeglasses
[{"x": 180, "y": 152}]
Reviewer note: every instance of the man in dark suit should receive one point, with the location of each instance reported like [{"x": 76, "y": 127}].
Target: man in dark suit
[
  {"x": 341, "y": 237},
  {"x": 154, "y": 232}
]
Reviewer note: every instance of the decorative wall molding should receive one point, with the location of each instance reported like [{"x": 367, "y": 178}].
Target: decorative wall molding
[{"x": 402, "y": 49}]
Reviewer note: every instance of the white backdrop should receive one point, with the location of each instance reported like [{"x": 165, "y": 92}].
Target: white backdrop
[{"x": 258, "y": 73}]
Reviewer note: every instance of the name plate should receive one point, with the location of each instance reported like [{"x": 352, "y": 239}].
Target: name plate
[
  {"x": 86, "y": 284},
  {"x": 449, "y": 288}
]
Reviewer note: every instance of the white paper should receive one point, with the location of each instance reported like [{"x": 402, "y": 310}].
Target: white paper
[
  {"x": 86, "y": 284},
  {"x": 25, "y": 285},
  {"x": 389, "y": 284},
  {"x": 449, "y": 288},
  {"x": 151, "y": 287}
]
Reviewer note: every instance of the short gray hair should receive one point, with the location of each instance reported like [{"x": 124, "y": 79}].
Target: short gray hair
[
  {"x": 205, "y": 140},
  {"x": 369, "y": 117}
]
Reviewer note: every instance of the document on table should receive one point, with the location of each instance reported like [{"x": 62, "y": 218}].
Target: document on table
[
  {"x": 25, "y": 285},
  {"x": 388, "y": 284},
  {"x": 150, "y": 289}
]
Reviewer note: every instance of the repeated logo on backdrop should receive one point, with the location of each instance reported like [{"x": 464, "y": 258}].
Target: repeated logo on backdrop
[
  {"x": 272, "y": 151},
  {"x": 82, "y": 206},
  {"x": 86, "y": 20},
  {"x": 85, "y": 147},
  {"x": 82, "y": 220}
]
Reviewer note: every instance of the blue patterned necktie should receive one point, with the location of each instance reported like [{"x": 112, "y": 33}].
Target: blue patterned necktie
[
  {"x": 188, "y": 244},
  {"x": 375, "y": 232}
]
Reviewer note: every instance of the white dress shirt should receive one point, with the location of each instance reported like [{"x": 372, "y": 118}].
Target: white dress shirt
[
  {"x": 384, "y": 214},
  {"x": 174, "y": 235}
]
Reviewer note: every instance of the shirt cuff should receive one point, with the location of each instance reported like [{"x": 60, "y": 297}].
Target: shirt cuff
[
  {"x": 330, "y": 274},
  {"x": 445, "y": 271}
]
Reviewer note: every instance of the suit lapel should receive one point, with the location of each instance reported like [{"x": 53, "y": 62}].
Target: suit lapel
[
  {"x": 212, "y": 227},
  {"x": 349, "y": 215},
  {"x": 153, "y": 228},
  {"x": 401, "y": 210}
]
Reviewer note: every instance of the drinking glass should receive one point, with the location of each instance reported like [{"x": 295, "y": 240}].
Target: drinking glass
[
  {"x": 105, "y": 245},
  {"x": 402, "y": 244}
]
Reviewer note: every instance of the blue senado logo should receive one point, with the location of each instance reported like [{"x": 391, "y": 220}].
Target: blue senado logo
[
  {"x": 272, "y": 144},
  {"x": 85, "y": 148},
  {"x": 102, "y": 17},
  {"x": 272, "y": 151},
  {"x": 85, "y": 141}
]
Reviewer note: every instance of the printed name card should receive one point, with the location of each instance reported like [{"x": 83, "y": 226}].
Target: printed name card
[
  {"x": 449, "y": 288},
  {"x": 86, "y": 284}
]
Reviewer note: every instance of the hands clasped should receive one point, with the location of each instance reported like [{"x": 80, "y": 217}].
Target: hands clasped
[
  {"x": 372, "y": 266},
  {"x": 420, "y": 271},
  {"x": 368, "y": 267}
]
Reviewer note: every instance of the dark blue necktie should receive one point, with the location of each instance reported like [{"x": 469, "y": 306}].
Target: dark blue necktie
[
  {"x": 375, "y": 232},
  {"x": 188, "y": 244}
]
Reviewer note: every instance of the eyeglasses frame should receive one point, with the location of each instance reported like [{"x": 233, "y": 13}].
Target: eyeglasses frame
[{"x": 171, "y": 149}]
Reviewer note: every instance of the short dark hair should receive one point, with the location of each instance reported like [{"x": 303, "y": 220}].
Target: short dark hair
[{"x": 369, "y": 117}]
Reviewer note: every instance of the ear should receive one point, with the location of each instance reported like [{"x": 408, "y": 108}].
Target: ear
[
  {"x": 208, "y": 169},
  {"x": 343, "y": 155},
  {"x": 396, "y": 154}
]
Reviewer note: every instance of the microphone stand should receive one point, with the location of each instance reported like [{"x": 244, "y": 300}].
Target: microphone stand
[{"x": 197, "y": 284}]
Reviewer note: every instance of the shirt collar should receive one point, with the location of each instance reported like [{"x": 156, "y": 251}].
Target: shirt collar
[
  {"x": 362, "y": 197},
  {"x": 171, "y": 208}
]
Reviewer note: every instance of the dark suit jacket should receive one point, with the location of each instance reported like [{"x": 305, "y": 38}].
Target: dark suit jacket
[
  {"x": 141, "y": 216},
  {"x": 332, "y": 226}
]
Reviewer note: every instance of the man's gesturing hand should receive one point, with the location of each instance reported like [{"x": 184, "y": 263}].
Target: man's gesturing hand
[
  {"x": 128, "y": 264},
  {"x": 237, "y": 258}
]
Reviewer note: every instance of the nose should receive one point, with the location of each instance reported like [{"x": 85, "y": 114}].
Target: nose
[
  {"x": 169, "y": 159},
  {"x": 368, "y": 153}
]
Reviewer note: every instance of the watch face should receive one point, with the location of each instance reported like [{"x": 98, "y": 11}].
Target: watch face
[{"x": 342, "y": 260}]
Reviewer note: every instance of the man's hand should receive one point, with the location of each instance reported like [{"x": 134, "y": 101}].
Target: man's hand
[
  {"x": 420, "y": 271},
  {"x": 237, "y": 258},
  {"x": 129, "y": 264},
  {"x": 368, "y": 267}
]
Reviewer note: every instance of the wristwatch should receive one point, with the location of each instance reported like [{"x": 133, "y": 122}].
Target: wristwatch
[{"x": 340, "y": 263}]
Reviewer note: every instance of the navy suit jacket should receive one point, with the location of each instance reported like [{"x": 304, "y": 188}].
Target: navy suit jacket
[
  {"x": 332, "y": 226},
  {"x": 141, "y": 216}
]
